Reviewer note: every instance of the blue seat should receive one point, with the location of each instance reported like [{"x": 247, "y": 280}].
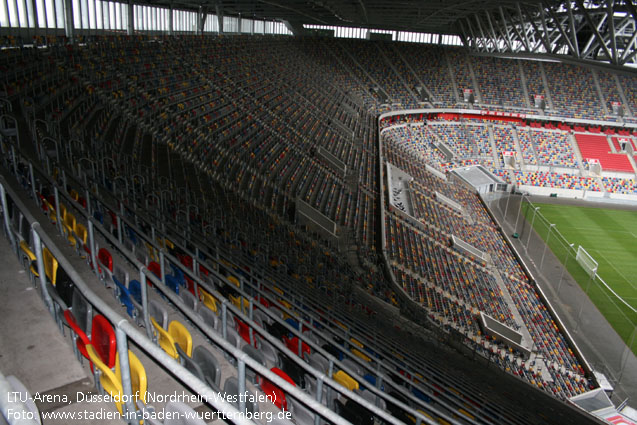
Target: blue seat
[
  {"x": 135, "y": 290},
  {"x": 131, "y": 235},
  {"x": 97, "y": 215},
  {"x": 424, "y": 397},
  {"x": 173, "y": 283},
  {"x": 292, "y": 322},
  {"x": 178, "y": 275},
  {"x": 124, "y": 297}
]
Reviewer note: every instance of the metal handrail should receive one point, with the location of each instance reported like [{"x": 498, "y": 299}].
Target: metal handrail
[
  {"x": 239, "y": 355},
  {"x": 94, "y": 224},
  {"x": 297, "y": 332},
  {"x": 125, "y": 330},
  {"x": 199, "y": 282}
]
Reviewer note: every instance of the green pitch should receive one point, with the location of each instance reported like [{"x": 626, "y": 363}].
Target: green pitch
[{"x": 610, "y": 237}]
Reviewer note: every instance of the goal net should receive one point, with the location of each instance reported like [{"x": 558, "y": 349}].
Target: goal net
[{"x": 586, "y": 261}]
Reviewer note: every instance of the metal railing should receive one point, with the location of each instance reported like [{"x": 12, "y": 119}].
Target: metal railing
[{"x": 125, "y": 330}]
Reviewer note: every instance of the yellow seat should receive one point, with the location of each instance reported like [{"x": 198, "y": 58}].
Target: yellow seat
[
  {"x": 208, "y": 300},
  {"x": 62, "y": 212},
  {"x": 151, "y": 252},
  {"x": 165, "y": 341},
  {"x": 181, "y": 336},
  {"x": 340, "y": 324},
  {"x": 236, "y": 301},
  {"x": 69, "y": 227},
  {"x": 467, "y": 414},
  {"x": 108, "y": 379},
  {"x": 426, "y": 415},
  {"x": 52, "y": 215},
  {"x": 277, "y": 290},
  {"x": 361, "y": 355},
  {"x": 345, "y": 380},
  {"x": 82, "y": 235},
  {"x": 169, "y": 244},
  {"x": 73, "y": 193},
  {"x": 139, "y": 381},
  {"x": 234, "y": 281},
  {"x": 30, "y": 256},
  {"x": 50, "y": 265},
  {"x": 285, "y": 304},
  {"x": 356, "y": 342}
]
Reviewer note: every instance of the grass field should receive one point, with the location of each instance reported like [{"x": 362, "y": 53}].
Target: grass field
[{"x": 610, "y": 237}]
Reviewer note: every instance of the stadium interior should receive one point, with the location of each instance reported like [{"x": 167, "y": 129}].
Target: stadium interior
[{"x": 285, "y": 203}]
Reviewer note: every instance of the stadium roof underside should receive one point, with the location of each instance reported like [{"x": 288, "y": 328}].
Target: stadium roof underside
[{"x": 602, "y": 30}]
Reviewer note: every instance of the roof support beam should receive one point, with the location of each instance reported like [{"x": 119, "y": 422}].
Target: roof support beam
[
  {"x": 538, "y": 32},
  {"x": 486, "y": 44},
  {"x": 627, "y": 48},
  {"x": 571, "y": 21},
  {"x": 505, "y": 30},
  {"x": 522, "y": 40},
  {"x": 476, "y": 41},
  {"x": 528, "y": 43},
  {"x": 547, "y": 37},
  {"x": 466, "y": 40},
  {"x": 632, "y": 54},
  {"x": 611, "y": 22},
  {"x": 588, "y": 18},
  {"x": 494, "y": 36},
  {"x": 587, "y": 49},
  {"x": 565, "y": 36}
]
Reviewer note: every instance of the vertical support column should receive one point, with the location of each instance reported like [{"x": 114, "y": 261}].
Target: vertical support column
[
  {"x": 37, "y": 247},
  {"x": 219, "y": 18},
  {"x": 32, "y": 177},
  {"x": 170, "y": 20},
  {"x": 131, "y": 25},
  {"x": 224, "y": 319},
  {"x": 145, "y": 311},
  {"x": 68, "y": 20},
  {"x": 119, "y": 228},
  {"x": 202, "y": 15},
  {"x": 122, "y": 350},
  {"x": 162, "y": 266},
  {"x": 58, "y": 218},
  {"x": 7, "y": 222},
  {"x": 91, "y": 242},
  {"x": 34, "y": 16},
  {"x": 241, "y": 378}
]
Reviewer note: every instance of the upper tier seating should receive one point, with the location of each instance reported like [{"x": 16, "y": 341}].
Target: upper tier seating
[
  {"x": 577, "y": 98},
  {"x": 499, "y": 80}
]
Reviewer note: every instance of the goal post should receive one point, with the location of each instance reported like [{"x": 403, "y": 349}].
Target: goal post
[{"x": 587, "y": 262}]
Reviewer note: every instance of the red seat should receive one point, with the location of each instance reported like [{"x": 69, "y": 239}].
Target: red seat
[
  {"x": 154, "y": 267},
  {"x": 104, "y": 257},
  {"x": 277, "y": 394},
  {"x": 103, "y": 339},
  {"x": 293, "y": 345},
  {"x": 243, "y": 329},
  {"x": 263, "y": 301}
]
